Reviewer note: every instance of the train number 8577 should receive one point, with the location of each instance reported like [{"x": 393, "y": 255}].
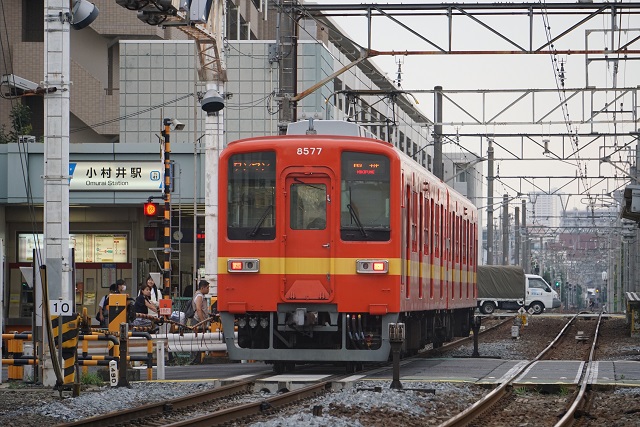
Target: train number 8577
[{"x": 306, "y": 151}]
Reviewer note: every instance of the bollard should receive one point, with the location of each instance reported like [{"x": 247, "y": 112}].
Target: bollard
[
  {"x": 124, "y": 352},
  {"x": 113, "y": 373},
  {"x": 477, "y": 321},
  {"x": 27, "y": 374},
  {"x": 160, "y": 359},
  {"x": 515, "y": 329},
  {"x": 396, "y": 339}
]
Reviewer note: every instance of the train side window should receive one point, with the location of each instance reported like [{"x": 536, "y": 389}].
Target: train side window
[
  {"x": 436, "y": 232},
  {"x": 365, "y": 197},
  {"x": 251, "y": 212}
]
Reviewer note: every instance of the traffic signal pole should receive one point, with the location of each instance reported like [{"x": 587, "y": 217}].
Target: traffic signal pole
[{"x": 166, "y": 270}]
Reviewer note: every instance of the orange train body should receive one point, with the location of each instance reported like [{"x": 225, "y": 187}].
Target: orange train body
[{"x": 324, "y": 241}]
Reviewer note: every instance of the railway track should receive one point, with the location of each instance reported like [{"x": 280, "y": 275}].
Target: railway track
[
  {"x": 503, "y": 402},
  {"x": 159, "y": 412},
  {"x": 238, "y": 402},
  {"x": 230, "y": 402}
]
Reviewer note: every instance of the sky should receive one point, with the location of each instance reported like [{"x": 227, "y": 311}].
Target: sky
[{"x": 494, "y": 72}]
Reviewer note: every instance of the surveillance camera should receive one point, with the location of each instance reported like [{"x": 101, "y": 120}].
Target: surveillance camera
[
  {"x": 177, "y": 124},
  {"x": 133, "y": 4},
  {"x": 212, "y": 102},
  {"x": 152, "y": 17},
  {"x": 83, "y": 14},
  {"x": 17, "y": 85}
]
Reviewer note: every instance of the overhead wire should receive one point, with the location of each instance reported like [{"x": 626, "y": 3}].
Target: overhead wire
[
  {"x": 382, "y": 98},
  {"x": 559, "y": 77}
]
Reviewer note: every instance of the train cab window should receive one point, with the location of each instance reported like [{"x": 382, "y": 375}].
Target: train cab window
[
  {"x": 308, "y": 206},
  {"x": 251, "y": 213},
  {"x": 364, "y": 197}
]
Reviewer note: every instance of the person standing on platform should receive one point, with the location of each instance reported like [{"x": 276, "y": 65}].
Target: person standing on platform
[
  {"x": 201, "y": 308},
  {"x": 156, "y": 294},
  {"x": 102, "y": 315},
  {"x": 121, "y": 286},
  {"x": 143, "y": 305},
  {"x": 200, "y": 303}
]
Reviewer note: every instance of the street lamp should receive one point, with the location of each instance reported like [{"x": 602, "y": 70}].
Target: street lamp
[{"x": 211, "y": 102}]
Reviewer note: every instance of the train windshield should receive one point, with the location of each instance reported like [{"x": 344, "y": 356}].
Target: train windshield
[
  {"x": 251, "y": 213},
  {"x": 364, "y": 197}
]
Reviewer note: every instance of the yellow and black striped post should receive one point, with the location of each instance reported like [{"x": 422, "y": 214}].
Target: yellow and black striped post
[
  {"x": 68, "y": 326},
  {"x": 117, "y": 312},
  {"x": 166, "y": 271}
]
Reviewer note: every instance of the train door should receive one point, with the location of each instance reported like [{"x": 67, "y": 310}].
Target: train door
[{"x": 308, "y": 240}]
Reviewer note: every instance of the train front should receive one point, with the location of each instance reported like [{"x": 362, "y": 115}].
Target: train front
[{"x": 306, "y": 265}]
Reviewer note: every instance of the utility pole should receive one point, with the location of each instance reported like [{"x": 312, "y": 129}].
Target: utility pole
[
  {"x": 516, "y": 232},
  {"x": 57, "y": 64},
  {"x": 214, "y": 73},
  {"x": 505, "y": 229},
  {"x": 490, "y": 203},
  {"x": 437, "y": 133},
  {"x": 526, "y": 264},
  {"x": 288, "y": 64},
  {"x": 213, "y": 143}
]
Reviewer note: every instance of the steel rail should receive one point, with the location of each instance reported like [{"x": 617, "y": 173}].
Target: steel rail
[
  {"x": 474, "y": 411},
  {"x": 151, "y": 409},
  {"x": 256, "y": 408},
  {"x": 458, "y": 342},
  {"x": 569, "y": 417},
  {"x": 238, "y": 412}
]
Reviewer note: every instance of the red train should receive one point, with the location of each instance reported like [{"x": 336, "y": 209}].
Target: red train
[{"x": 324, "y": 240}]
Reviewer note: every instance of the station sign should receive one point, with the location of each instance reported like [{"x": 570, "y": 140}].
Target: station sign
[{"x": 116, "y": 176}]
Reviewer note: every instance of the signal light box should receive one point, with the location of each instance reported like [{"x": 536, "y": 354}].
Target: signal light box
[{"x": 150, "y": 209}]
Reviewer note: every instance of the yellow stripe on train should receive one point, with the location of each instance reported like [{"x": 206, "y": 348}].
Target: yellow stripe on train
[{"x": 334, "y": 266}]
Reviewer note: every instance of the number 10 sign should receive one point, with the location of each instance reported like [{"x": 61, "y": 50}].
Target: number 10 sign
[{"x": 60, "y": 307}]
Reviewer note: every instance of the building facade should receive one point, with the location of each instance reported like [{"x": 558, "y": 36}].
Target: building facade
[{"x": 127, "y": 77}]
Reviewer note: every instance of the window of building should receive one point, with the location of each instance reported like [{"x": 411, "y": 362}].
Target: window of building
[
  {"x": 36, "y": 106},
  {"x": 461, "y": 172},
  {"x": 32, "y": 21},
  {"x": 237, "y": 27}
]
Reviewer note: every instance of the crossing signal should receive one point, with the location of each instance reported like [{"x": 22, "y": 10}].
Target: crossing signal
[
  {"x": 151, "y": 233},
  {"x": 150, "y": 209}
]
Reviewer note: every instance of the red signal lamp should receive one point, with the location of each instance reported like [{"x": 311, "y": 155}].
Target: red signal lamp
[{"x": 150, "y": 209}]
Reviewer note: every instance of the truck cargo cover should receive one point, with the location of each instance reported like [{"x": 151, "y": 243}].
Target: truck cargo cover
[{"x": 501, "y": 281}]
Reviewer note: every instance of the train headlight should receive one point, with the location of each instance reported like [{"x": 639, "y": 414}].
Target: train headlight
[
  {"x": 264, "y": 322},
  {"x": 372, "y": 266},
  {"x": 253, "y": 322},
  {"x": 242, "y": 322},
  {"x": 243, "y": 265}
]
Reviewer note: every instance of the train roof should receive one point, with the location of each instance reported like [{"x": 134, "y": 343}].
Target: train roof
[{"x": 328, "y": 127}]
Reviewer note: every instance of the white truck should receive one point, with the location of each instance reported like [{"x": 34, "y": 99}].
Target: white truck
[{"x": 507, "y": 287}]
